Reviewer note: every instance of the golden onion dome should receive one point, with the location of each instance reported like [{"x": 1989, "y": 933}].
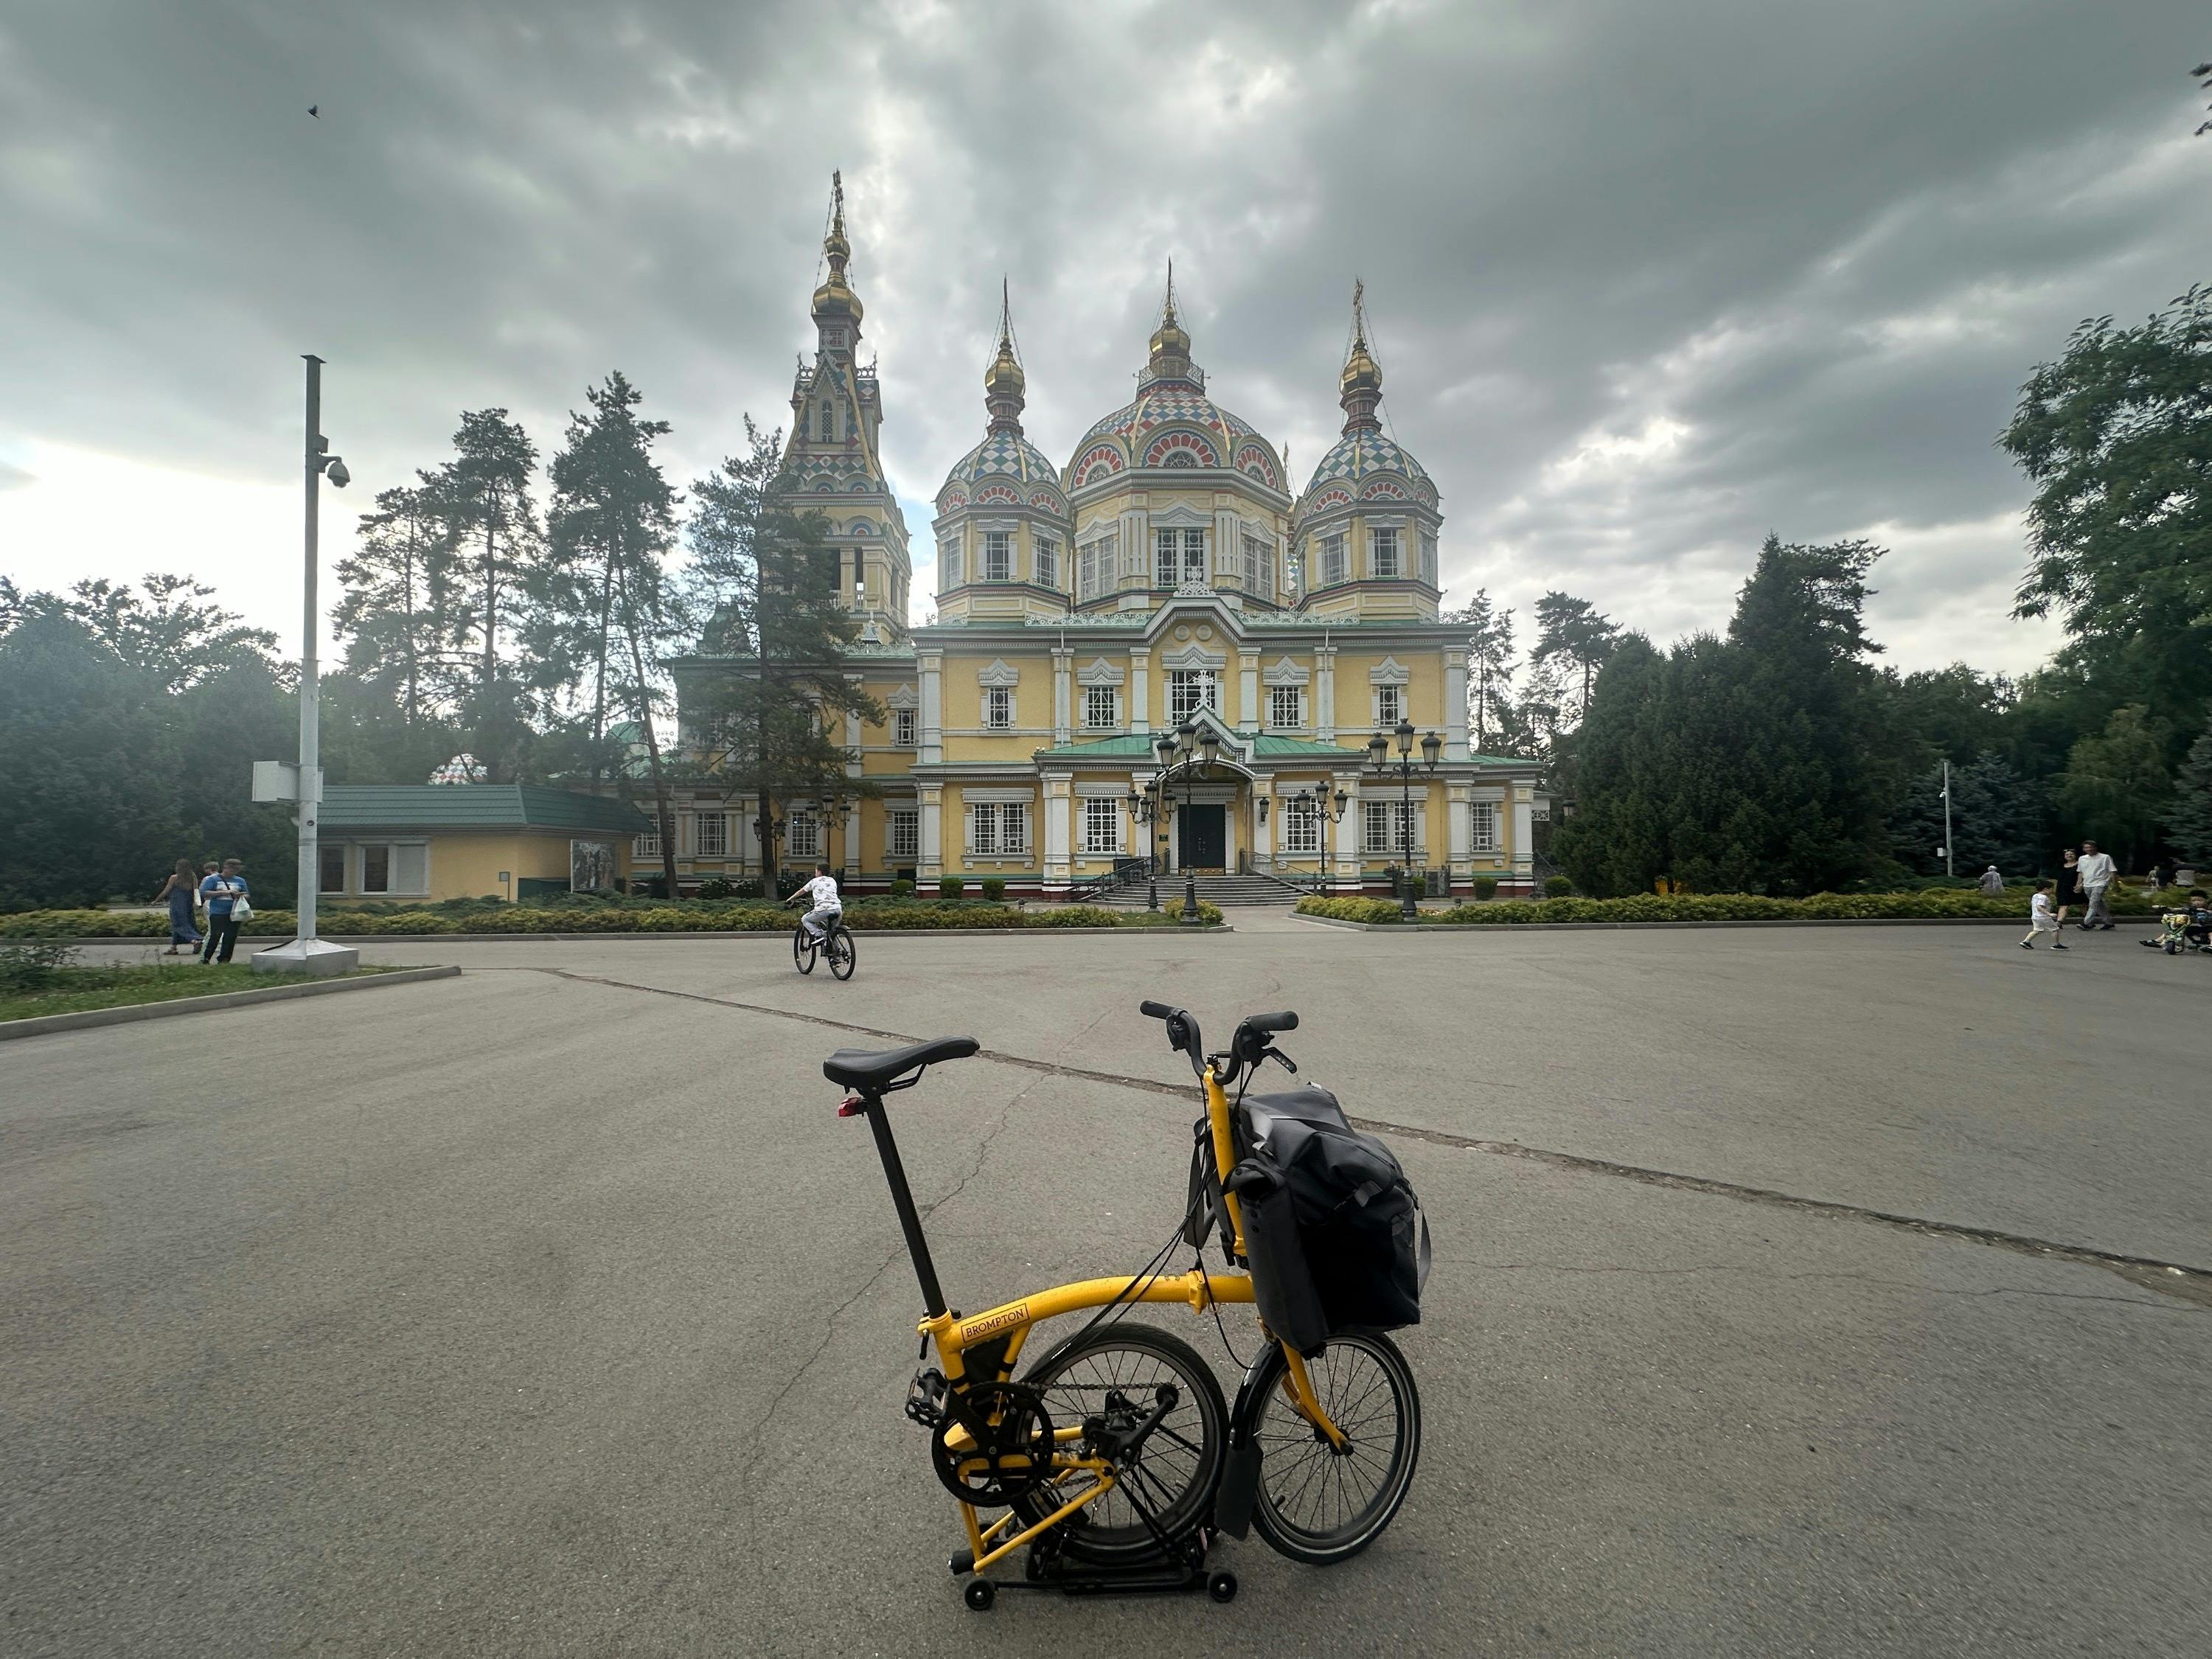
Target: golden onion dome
[
  {"x": 1361, "y": 372},
  {"x": 1005, "y": 374}
]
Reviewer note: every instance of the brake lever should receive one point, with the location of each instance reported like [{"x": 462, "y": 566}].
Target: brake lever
[{"x": 1289, "y": 1065}]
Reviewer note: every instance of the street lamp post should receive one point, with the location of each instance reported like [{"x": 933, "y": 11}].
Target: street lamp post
[
  {"x": 1145, "y": 811},
  {"x": 1378, "y": 756},
  {"x": 1187, "y": 752},
  {"x": 304, "y": 953},
  {"x": 1326, "y": 810}
]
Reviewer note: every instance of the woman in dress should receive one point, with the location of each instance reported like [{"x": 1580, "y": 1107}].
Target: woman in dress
[{"x": 178, "y": 893}]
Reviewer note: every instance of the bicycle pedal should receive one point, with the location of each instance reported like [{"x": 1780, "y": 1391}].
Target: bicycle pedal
[{"x": 925, "y": 1399}]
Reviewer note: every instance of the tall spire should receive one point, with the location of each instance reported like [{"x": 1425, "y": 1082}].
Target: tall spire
[
  {"x": 1170, "y": 359},
  {"x": 1360, "y": 386},
  {"x": 835, "y": 302},
  {"x": 1004, "y": 383}
]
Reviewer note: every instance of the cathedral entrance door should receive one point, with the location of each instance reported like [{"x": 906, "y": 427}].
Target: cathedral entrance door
[{"x": 1203, "y": 837}]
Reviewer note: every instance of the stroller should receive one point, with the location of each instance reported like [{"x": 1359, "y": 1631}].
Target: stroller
[{"x": 2183, "y": 931}]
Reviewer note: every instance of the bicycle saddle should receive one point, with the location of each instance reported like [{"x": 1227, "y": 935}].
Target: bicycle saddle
[{"x": 867, "y": 1069}]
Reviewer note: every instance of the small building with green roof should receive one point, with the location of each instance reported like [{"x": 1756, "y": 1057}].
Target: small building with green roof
[{"x": 442, "y": 841}]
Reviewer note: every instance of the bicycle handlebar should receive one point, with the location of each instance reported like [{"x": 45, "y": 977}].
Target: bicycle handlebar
[
  {"x": 1157, "y": 1011},
  {"x": 1268, "y": 1025}
]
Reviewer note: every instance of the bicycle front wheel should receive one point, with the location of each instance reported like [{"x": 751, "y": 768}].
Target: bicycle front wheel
[
  {"x": 1318, "y": 1504},
  {"x": 843, "y": 959},
  {"x": 802, "y": 953}
]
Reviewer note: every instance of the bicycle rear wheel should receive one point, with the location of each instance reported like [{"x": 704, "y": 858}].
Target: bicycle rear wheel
[
  {"x": 1116, "y": 1373},
  {"x": 1317, "y": 1505},
  {"x": 843, "y": 959},
  {"x": 802, "y": 953}
]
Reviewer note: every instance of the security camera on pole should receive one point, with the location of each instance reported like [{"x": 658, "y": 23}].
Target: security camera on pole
[{"x": 303, "y": 782}]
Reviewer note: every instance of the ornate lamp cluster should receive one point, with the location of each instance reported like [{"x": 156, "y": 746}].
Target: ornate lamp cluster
[
  {"x": 1187, "y": 750},
  {"x": 1378, "y": 758}
]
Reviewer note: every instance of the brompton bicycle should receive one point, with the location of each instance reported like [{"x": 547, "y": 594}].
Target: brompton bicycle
[{"x": 1114, "y": 1456}]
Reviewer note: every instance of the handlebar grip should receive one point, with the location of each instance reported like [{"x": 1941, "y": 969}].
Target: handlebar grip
[
  {"x": 1267, "y": 1024},
  {"x": 1156, "y": 1011}
]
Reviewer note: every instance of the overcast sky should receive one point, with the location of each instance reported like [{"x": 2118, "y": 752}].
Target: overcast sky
[{"x": 1648, "y": 279}]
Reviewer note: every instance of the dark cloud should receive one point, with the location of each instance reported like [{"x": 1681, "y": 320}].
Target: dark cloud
[{"x": 1649, "y": 282}]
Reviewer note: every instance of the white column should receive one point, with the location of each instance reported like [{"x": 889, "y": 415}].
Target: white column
[
  {"x": 1344, "y": 850},
  {"x": 1140, "y": 689},
  {"x": 1063, "y": 720},
  {"x": 1524, "y": 850},
  {"x": 852, "y": 739},
  {"x": 932, "y": 863},
  {"x": 1058, "y": 842},
  {"x": 1456, "y": 710},
  {"x": 1136, "y": 550},
  {"x": 932, "y": 663},
  {"x": 1462, "y": 861},
  {"x": 1248, "y": 690},
  {"x": 1228, "y": 548},
  {"x": 1325, "y": 693}
]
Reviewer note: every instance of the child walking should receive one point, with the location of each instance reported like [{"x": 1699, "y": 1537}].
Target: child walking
[{"x": 2042, "y": 917}]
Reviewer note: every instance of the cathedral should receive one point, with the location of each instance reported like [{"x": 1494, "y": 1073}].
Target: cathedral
[{"x": 1156, "y": 650}]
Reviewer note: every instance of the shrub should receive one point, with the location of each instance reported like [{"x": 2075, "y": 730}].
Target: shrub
[
  {"x": 1209, "y": 915},
  {"x": 30, "y": 965},
  {"x": 716, "y": 888},
  {"x": 902, "y": 888},
  {"x": 1351, "y": 909},
  {"x": 1486, "y": 888},
  {"x": 951, "y": 887},
  {"x": 994, "y": 889},
  {"x": 1557, "y": 886}
]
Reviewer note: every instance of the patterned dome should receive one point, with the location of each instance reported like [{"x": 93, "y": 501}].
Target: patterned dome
[
  {"x": 1005, "y": 470},
  {"x": 1363, "y": 455},
  {"x": 1172, "y": 423}
]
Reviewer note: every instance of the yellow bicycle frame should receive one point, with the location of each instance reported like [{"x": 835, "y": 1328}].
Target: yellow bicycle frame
[{"x": 952, "y": 1334}]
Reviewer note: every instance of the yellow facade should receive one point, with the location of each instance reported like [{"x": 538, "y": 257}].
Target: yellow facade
[
  {"x": 460, "y": 864},
  {"x": 1167, "y": 576}
]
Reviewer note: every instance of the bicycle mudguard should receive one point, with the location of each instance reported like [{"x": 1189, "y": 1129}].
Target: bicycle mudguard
[{"x": 1240, "y": 1478}]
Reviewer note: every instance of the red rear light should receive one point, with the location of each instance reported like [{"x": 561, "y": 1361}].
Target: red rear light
[{"x": 853, "y": 1107}]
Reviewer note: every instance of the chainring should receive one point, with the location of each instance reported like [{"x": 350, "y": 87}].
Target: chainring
[{"x": 995, "y": 1444}]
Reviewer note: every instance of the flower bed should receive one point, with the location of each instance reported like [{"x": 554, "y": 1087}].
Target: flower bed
[{"x": 1938, "y": 903}]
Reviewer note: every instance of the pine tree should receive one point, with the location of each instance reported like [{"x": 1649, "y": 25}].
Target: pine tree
[
  {"x": 493, "y": 555},
  {"x": 2189, "y": 814},
  {"x": 1490, "y": 665},
  {"x": 1754, "y": 763},
  {"x": 766, "y": 582},
  {"x": 394, "y": 614},
  {"x": 1998, "y": 817},
  {"x": 1578, "y": 634},
  {"x": 614, "y": 521}
]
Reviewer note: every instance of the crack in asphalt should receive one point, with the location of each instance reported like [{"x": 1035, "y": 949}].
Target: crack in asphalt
[
  {"x": 2174, "y": 1278},
  {"x": 1762, "y": 1272}
]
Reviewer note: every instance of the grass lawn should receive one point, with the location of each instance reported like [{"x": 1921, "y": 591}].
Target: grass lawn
[{"x": 73, "y": 990}]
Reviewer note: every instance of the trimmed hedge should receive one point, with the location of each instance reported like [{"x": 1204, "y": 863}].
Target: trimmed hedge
[
  {"x": 530, "y": 919},
  {"x": 1717, "y": 907}
]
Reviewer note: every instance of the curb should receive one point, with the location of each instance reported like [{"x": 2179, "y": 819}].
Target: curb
[
  {"x": 1624, "y": 927},
  {"x": 41, "y": 1024},
  {"x": 784, "y": 934}
]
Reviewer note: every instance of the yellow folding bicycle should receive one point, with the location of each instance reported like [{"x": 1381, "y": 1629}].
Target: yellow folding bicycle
[{"x": 1114, "y": 1457}]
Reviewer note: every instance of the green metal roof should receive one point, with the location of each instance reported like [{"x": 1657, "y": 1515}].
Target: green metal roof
[{"x": 474, "y": 806}]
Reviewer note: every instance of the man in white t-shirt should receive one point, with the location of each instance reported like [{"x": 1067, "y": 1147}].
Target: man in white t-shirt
[
  {"x": 2094, "y": 870},
  {"x": 824, "y": 906}
]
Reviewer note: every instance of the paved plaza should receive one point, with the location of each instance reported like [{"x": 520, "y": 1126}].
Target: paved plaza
[{"x": 1797, "y": 1292}]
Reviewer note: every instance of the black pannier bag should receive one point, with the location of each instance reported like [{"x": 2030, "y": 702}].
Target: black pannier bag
[{"x": 1335, "y": 1238}]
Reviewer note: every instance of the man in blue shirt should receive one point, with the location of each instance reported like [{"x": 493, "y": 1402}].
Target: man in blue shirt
[{"x": 223, "y": 893}]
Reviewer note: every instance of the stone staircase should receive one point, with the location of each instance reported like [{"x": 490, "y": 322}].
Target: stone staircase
[{"x": 1229, "y": 891}]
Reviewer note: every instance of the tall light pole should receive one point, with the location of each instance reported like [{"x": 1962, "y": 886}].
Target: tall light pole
[
  {"x": 1378, "y": 756},
  {"x": 1948, "y": 860},
  {"x": 305, "y": 953}
]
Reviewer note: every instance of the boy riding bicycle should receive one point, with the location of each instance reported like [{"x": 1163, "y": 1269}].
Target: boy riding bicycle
[{"x": 825, "y": 906}]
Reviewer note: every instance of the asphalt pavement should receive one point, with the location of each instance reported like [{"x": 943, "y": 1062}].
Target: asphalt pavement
[{"x": 1797, "y": 1292}]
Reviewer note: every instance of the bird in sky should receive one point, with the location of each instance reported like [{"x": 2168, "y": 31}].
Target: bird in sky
[{"x": 315, "y": 110}]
